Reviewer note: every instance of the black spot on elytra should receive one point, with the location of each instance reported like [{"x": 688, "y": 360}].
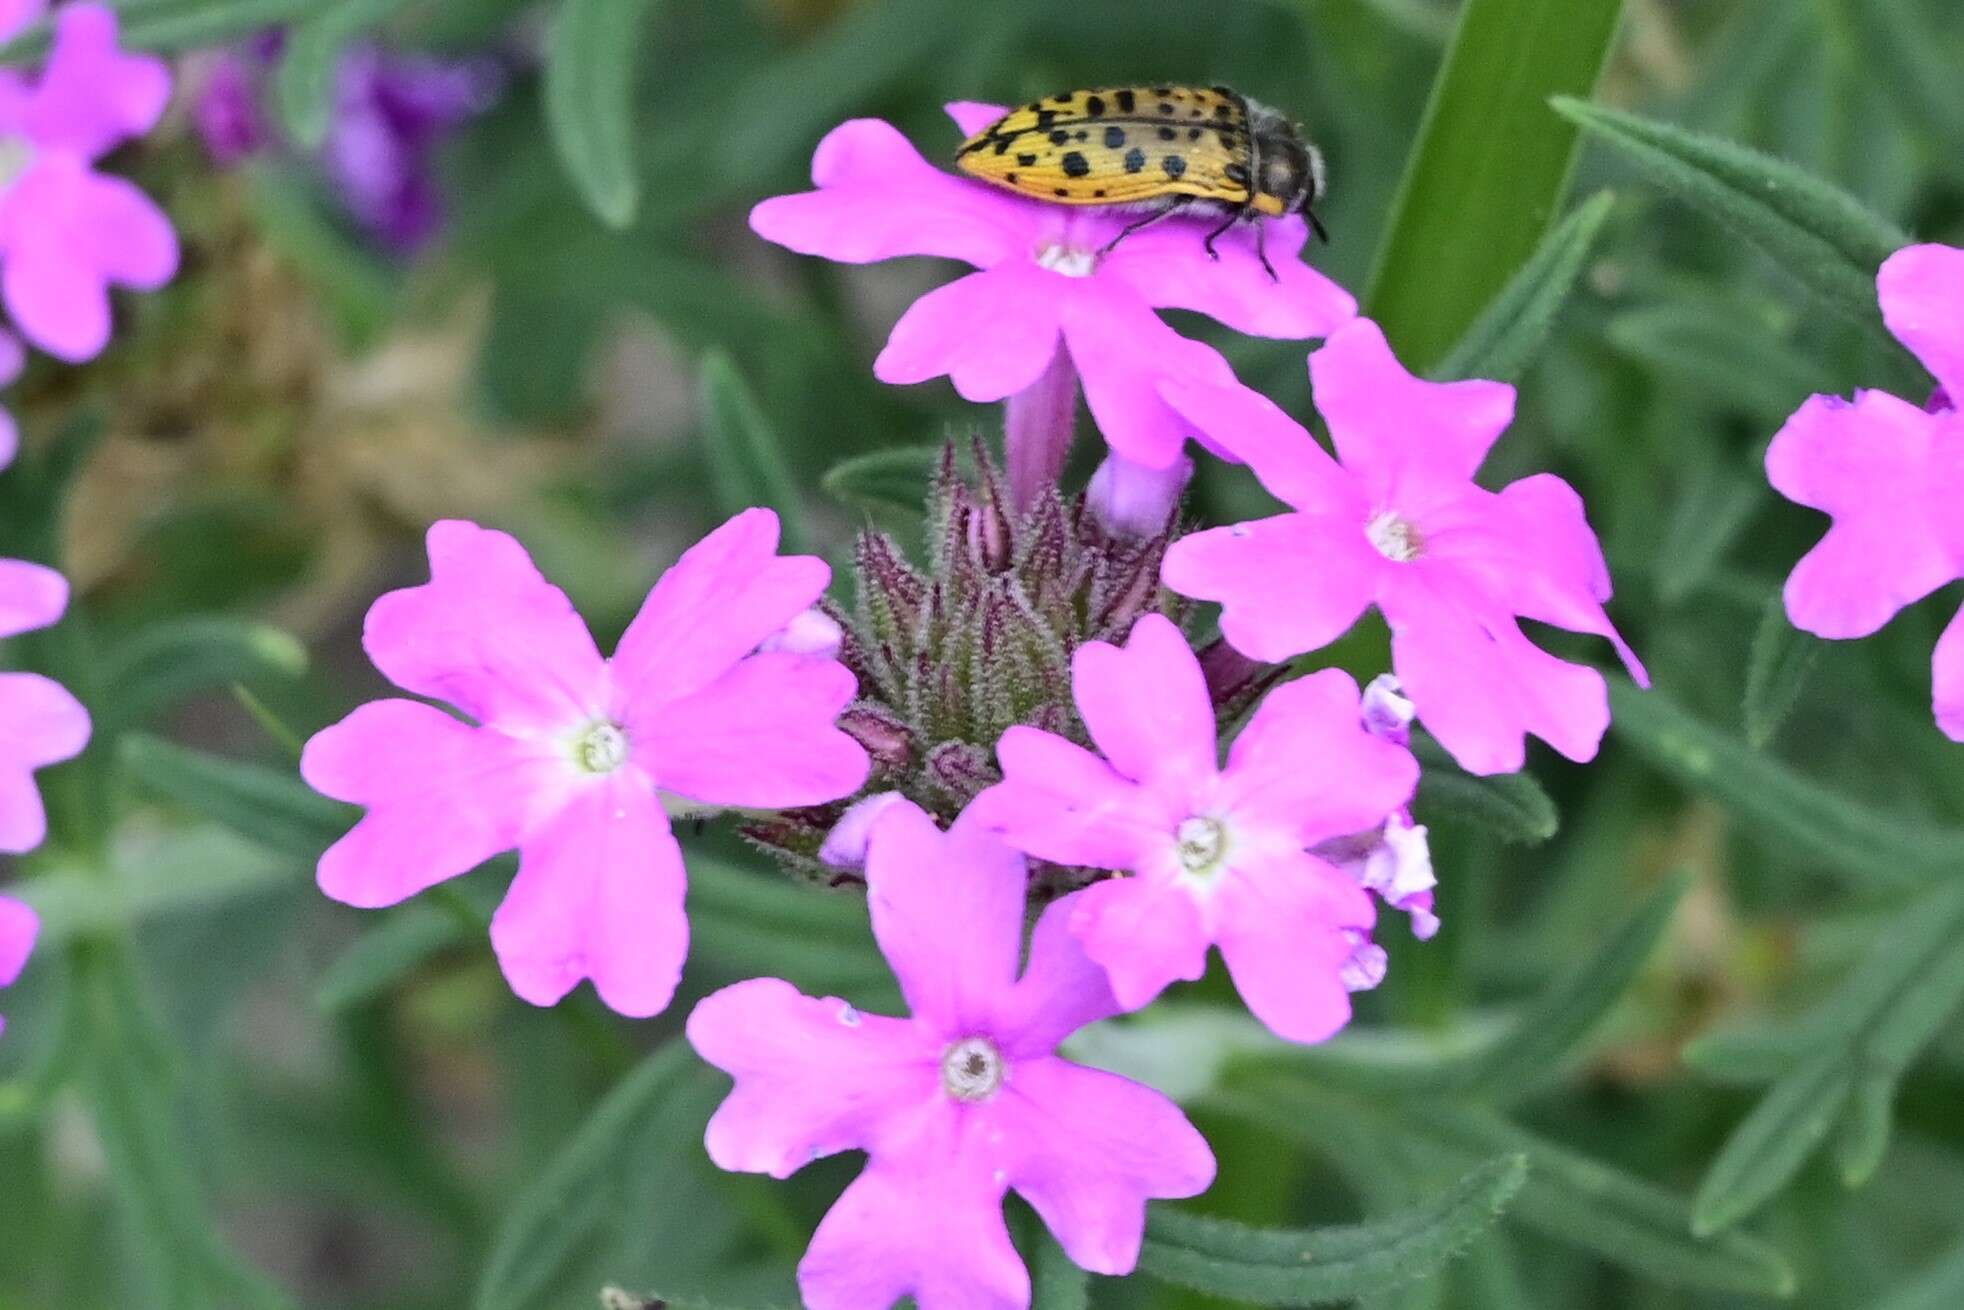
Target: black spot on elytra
[
  {"x": 1236, "y": 173},
  {"x": 1220, "y": 90},
  {"x": 1166, "y": 109},
  {"x": 1135, "y": 160},
  {"x": 1084, "y": 136},
  {"x": 1162, "y": 91},
  {"x": 1009, "y": 178},
  {"x": 1228, "y": 140},
  {"x": 1224, "y": 111},
  {"x": 1193, "y": 134},
  {"x": 1062, "y": 97},
  {"x": 1114, "y": 137},
  {"x": 1194, "y": 112},
  {"x": 1060, "y": 137},
  {"x": 1075, "y": 164},
  {"x": 1127, "y": 102},
  {"x": 1027, "y": 161},
  {"x": 1061, "y": 191},
  {"x": 1002, "y": 144},
  {"x": 1099, "y": 194},
  {"x": 1094, "y": 106},
  {"x": 1174, "y": 165},
  {"x": 1168, "y": 134},
  {"x": 1045, "y": 117}
]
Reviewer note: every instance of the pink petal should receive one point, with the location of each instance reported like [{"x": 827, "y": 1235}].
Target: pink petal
[
  {"x": 598, "y": 895},
  {"x": 1062, "y": 989},
  {"x": 488, "y": 634},
  {"x": 878, "y": 199},
  {"x": 1481, "y": 686},
  {"x": 129, "y": 238},
  {"x": 1058, "y": 801},
  {"x": 947, "y": 910},
  {"x": 1552, "y": 569},
  {"x": 1874, "y": 466},
  {"x": 92, "y": 96},
  {"x": 442, "y": 798},
  {"x": 925, "y": 1220},
  {"x": 31, "y": 596},
  {"x": 54, "y": 286},
  {"x": 1922, "y": 294},
  {"x": 19, "y": 927},
  {"x": 1948, "y": 664},
  {"x": 1169, "y": 267},
  {"x": 718, "y": 603},
  {"x": 1399, "y": 432},
  {"x": 1287, "y": 585},
  {"x": 1089, "y": 1148},
  {"x": 1146, "y": 704},
  {"x": 1253, "y": 429},
  {"x": 15, "y": 15},
  {"x": 1306, "y": 761},
  {"x": 813, "y": 1077},
  {"x": 1282, "y": 933},
  {"x": 971, "y": 116},
  {"x": 993, "y": 333},
  {"x": 40, "y": 724},
  {"x": 761, "y": 736},
  {"x": 1145, "y": 933},
  {"x": 1123, "y": 353},
  {"x": 1131, "y": 500}
]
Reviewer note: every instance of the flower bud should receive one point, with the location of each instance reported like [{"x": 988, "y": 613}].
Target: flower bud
[
  {"x": 885, "y": 737},
  {"x": 812, "y": 633},
  {"x": 1130, "y": 500}
]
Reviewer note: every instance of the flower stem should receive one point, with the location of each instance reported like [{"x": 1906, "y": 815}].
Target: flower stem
[{"x": 1039, "y": 423}]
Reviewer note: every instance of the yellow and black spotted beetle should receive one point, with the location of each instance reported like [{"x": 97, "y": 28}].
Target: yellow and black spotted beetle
[{"x": 1156, "y": 151}]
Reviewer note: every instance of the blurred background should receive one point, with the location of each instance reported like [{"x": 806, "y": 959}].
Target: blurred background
[{"x": 219, "y": 1089}]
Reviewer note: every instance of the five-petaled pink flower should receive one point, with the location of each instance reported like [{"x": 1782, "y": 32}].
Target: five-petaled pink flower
[
  {"x": 67, "y": 232},
  {"x": 19, "y": 926},
  {"x": 570, "y": 755},
  {"x": 1891, "y": 475},
  {"x": 40, "y": 722},
  {"x": 1046, "y": 282},
  {"x": 1217, "y": 855},
  {"x": 1401, "y": 524},
  {"x": 954, "y": 1106}
]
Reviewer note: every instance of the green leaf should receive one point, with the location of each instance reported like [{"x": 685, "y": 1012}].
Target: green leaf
[
  {"x": 1511, "y": 806},
  {"x": 1912, "y": 66},
  {"x": 893, "y": 479},
  {"x": 1817, "y": 232},
  {"x": 384, "y": 955},
  {"x": 1057, "y": 1282},
  {"x": 1766, "y": 1150},
  {"x": 164, "y": 663},
  {"x": 1320, "y": 1266},
  {"x": 589, "y": 96},
  {"x": 1864, "y": 1136},
  {"x": 1510, "y": 332},
  {"x": 1776, "y": 671},
  {"x": 1706, "y": 523},
  {"x": 305, "y": 81},
  {"x": 182, "y": 872},
  {"x": 1862, "y": 845},
  {"x": 1940, "y": 1286},
  {"x": 1486, "y": 178},
  {"x": 168, "y": 26},
  {"x": 745, "y": 454},
  {"x": 268, "y": 806},
  {"x": 1722, "y": 356}
]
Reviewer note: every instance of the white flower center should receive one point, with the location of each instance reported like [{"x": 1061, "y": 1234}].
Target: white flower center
[
  {"x": 601, "y": 748},
  {"x": 973, "y": 1069},
  {"x": 1395, "y": 537},
  {"x": 1201, "y": 843},
  {"x": 15, "y": 155},
  {"x": 1071, "y": 261}
]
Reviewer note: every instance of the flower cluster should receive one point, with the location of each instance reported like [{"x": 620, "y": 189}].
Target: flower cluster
[{"x": 1890, "y": 473}]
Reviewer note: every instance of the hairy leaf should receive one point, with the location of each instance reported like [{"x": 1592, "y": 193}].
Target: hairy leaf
[
  {"x": 1510, "y": 332},
  {"x": 589, "y": 84},
  {"x": 745, "y": 453},
  {"x": 1776, "y": 671}
]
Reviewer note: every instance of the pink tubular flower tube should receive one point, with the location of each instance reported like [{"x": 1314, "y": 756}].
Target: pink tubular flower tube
[
  {"x": 1891, "y": 476},
  {"x": 1218, "y": 856},
  {"x": 67, "y": 232},
  {"x": 1046, "y": 288},
  {"x": 955, "y": 1105},
  {"x": 1401, "y": 524},
  {"x": 19, "y": 926},
  {"x": 40, "y": 722},
  {"x": 570, "y": 755}
]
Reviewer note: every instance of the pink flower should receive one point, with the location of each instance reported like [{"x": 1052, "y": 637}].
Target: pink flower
[
  {"x": 1891, "y": 475},
  {"x": 40, "y": 722},
  {"x": 1045, "y": 283},
  {"x": 570, "y": 755},
  {"x": 67, "y": 232},
  {"x": 19, "y": 926},
  {"x": 955, "y": 1105},
  {"x": 1218, "y": 856},
  {"x": 1400, "y": 523},
  {"x": 1395, "y": 859}
]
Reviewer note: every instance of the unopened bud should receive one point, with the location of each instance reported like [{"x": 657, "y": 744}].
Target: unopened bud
[
  {"x": 885, "y": 737},
  {"x": 1130, "y": 500},
  {"x": 961, "y": 769},
  {"x": 812, "y": 633}
]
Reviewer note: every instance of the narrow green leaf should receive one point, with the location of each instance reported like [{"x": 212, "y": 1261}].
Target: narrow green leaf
[
  {"x": 1510, "y": 332},
  {"x": 1863, "y": 1138},
  {"x": 1776, "y": 671},
  {"x": 305, "y": 81},
  {"x": 1511, "y": 806},
  {"x": 745, "y": 454},
  {"x": 1862, "y": 845},
  {"x": 168, "y": 26},
  {"x": 893, "y": 479},
  {"x": 589, "y": 95},
  {"x": 1912, "y": 66},
  {"x": 163, "y": 663},
  {"x": 384, "y": 955},
  {"x": 186, "y": 871},
  {"x": 267, "y": 806},
  {"x": 1725, "y": 358},
  {"x": 1766, "y": 1150},
  {"x": 1486, "y": 177},
  {"x": 1706, "y": 523},
  {"x": 1317, "y": 1267},
  {"x": 1940, "y": 1286},
  {"x": 1817, "y": 232},
  {"x": 1760, "y": 1054},
  {"x": 1057, "y": 1282}
]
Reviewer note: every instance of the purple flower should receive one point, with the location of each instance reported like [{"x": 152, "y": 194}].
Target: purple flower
[
  {"x": 1400, "y": 523},
  {"x": 570, "y": 756},
  {"x": 1046, "y": 284},
  {"x": 40, "y": 722},
  {"x": 1891, "y": 475},
  {"x": 19, "y": 926},
  {"x": 954, "y": 1106},
  {"x": 67, "y": 232},
  {"x": 1219, "y": 856}
]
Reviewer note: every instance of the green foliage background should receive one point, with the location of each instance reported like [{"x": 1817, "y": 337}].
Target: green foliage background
[{"x": 1690, "y": 1036}]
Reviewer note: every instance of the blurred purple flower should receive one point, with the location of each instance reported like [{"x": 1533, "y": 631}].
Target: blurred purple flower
[
  {"x": 40, "y": 722},
  {"x": 19, "y": 926}
]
